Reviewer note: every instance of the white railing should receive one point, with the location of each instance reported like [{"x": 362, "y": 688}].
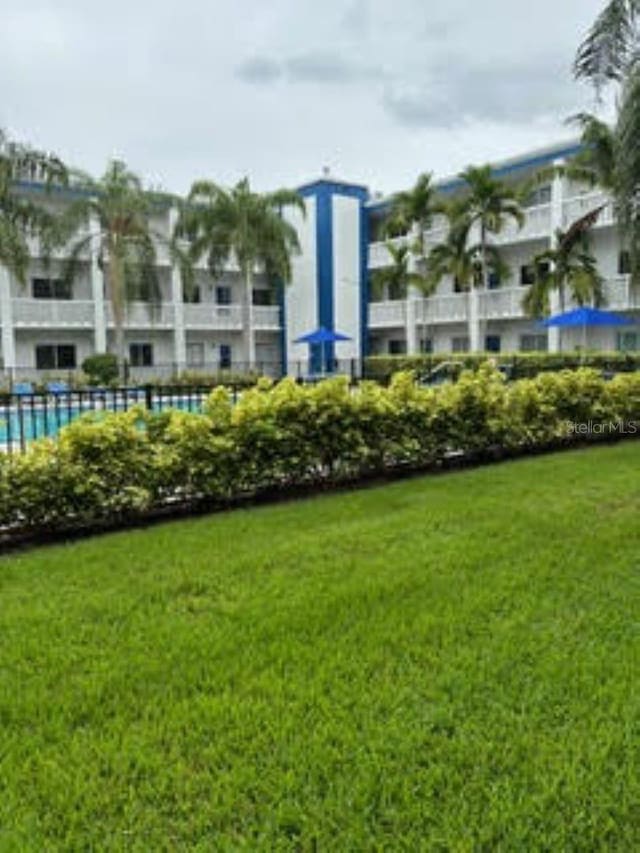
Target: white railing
[
  {"x": 502, "y": 303},
  {"x": 144, "y": 315},
  {"x": 620, "y": 294},
  {"x": 537, "y": 224},
  {"x": 448, "y": 308},
  {"x": 574, "y": 208},
  {"x": 209, "y": 316},
  {"x": 379, "y": 253},
  {"x": 42, "y": 313},
  {"x": 392, "y": 313},
  {"x": 266, "y": 317}
]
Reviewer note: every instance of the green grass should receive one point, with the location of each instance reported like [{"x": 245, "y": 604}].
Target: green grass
[{"x": 447, "y": 663}]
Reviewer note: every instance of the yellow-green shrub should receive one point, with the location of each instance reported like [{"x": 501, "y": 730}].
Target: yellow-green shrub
[{"x": 117, "y": 466}]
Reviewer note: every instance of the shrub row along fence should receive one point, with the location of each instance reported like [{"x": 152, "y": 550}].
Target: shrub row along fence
[
  {"x": 109, "y": 469},
  {"x": 519, "y": 365}
]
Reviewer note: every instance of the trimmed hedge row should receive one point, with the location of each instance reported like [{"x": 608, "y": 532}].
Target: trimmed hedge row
[
  {"x": 524, "y": 365},
  {"x": 111, "y": 468}
]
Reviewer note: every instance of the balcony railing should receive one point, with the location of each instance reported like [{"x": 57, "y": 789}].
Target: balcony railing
[
  {"x": 144, "y": 315},
  {"x": 574, "y": 208},
  {"x": 393, "y": 313},
  {"x": 52, "y": 313},
  {"x": 445, "y": 308},
  {"x": 621, "y": 295},
  {"x": 266, "y": 317},
  {"x": 209, "y": 316},
  {"x": 379, "y": 253},
  {"x": 502, "y": 303}
]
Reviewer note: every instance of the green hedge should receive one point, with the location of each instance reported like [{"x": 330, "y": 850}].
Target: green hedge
[
  {"x": 107, "y": 468},
  {"x": 523, "y": 365}
]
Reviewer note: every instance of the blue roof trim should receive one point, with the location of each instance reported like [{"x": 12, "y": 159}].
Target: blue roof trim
[
  {"x": 499, "y": 171},
  {"x": 334, "y": 188}
]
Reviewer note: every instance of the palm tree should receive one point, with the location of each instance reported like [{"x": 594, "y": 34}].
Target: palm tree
[
  {"x": 123, "y": 239},
  {"x": 20, "y": 217},
  {"x": 397, "y": 277},
  {"x": 609, "y": 56},
  {"x": 457, "y": 258},
  {"x": 491, "y": 204},
  {"x": 569, "y": 267},
  {"x": 246, "y": 226},
  {"x": 414, "y": 209}
]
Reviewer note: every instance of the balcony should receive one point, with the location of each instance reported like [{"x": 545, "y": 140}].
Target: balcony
[
  {"x": 144, "y": 315},
  {"x": 210, "y": 316},
  {"x": 266, "y": 317},
  {"x": 574, "y": 208},
  {"x": 620, "y": 295},
  {"x": 379, "y": 254},
  {"x": 387, "y": 314},
  {"x": 448, "y": 308},
  {"x": 503, "y": 303},
  {"x": 52, "y": 313}
]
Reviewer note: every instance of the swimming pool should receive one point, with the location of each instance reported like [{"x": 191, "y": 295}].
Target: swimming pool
[{"x": 24, "y": 422}]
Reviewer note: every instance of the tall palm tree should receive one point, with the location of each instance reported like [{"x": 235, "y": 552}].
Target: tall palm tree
[
  {"x": 414, "y": 209},
  {"x": 124, "y": 240},
  {"x": 610, "y": 56},
  {"x": 568, "y": 268},
  {"x": 466, "y": 263},
  {"x": 246, "y": 226},
  {"x": 491, "y": 204},
  {"x": 397, "y": 277},
  {"x": 20, "y": 217}
]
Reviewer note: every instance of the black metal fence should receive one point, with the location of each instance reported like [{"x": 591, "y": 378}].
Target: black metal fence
[{"x": 25, "y": 417}]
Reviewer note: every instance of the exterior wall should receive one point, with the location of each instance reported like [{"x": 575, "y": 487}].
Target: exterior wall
[{"x": 328, "y": 288}]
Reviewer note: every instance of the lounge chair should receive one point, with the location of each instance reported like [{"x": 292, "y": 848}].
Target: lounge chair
[
  {"x": 23, "y": 389},
  {"x": 57, "y": 387}
]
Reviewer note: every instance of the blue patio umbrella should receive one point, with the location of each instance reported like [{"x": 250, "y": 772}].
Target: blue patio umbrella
[
  {"x": 321, "y": 337},
  {"x": 584, "y": 317}
]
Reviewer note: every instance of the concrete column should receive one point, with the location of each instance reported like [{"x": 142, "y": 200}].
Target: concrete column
[
  {"x": 557, "y": 197},
  {"x": 179, "y": 336},
  {"x": 6, "y": 316},
  {"x": 411, "y": 314},
  {"x": 97, "y": 291},
  {"x": 475, "y": 344}
]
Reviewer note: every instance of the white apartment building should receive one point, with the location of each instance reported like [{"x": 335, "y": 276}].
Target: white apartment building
[{"x": 49, "y": 329}]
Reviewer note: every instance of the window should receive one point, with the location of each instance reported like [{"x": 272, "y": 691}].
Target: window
[
  {"x": 225, "y": 356},
  {"x": 223, "y": 295},
  {"x": 533, "y": 343},
  {"x": 397, "y": 291},
  {"x": 397, "y": 347},
  {"x": 541, "y": 195},
  {"x": 493, "y": 280},
  {"x": 261, "y": 297},
  {"x": 528, "y": 272},
  {"x": 629, "y": 341},
  {"x": 492, "y": 343},
  {"x": 457, "y": 287},
  {"x": 426, "y": 345},
  {"x": 141, "y": 355},
  {"x": 51, "y": 288},
  {"x": 55, "y": 357},
  {"x": 195, "y": 355},
  {"x": 624, "y": 263},
  {"x": 193, "y": 296},
  {"x": 460, "y": 344}
]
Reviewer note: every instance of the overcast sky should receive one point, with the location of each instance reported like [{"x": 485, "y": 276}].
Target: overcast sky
[{"x": 378, "y": 91}]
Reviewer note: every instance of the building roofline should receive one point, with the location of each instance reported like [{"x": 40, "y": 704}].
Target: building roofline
[{"x": 500, "y": 168}]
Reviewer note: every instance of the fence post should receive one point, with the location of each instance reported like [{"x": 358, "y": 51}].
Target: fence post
[{"x": 148, "y": 397}]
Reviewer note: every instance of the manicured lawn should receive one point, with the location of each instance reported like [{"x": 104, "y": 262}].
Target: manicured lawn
[{"x": 448, "y": 663}]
